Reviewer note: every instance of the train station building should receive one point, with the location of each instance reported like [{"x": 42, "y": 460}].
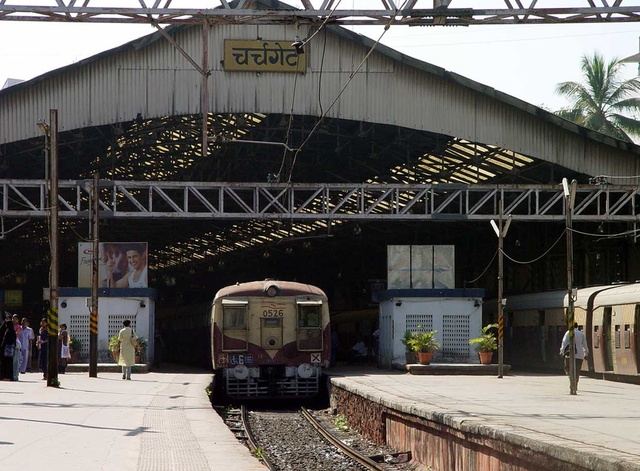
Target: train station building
[{"x": 237, "y": 157}]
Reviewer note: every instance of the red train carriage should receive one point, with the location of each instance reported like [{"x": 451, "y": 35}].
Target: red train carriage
[{"x": 270, "y": 339}]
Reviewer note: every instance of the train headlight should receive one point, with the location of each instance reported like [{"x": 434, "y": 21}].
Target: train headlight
[
  {"x": 254, "y": 372},
  {"x": 305, "y": 370},
  {"x": 290, "y": 371},
  {"x": 241, "y": 372}
]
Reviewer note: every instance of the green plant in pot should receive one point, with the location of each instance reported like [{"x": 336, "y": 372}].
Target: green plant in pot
[
  {"x": 424, "y": 344},
  {"x": 75, "y": 346},
  {"x": 486, "y": 344},
  {"x": 411, "y": 356},
  {"x": 113, "y": 347}
]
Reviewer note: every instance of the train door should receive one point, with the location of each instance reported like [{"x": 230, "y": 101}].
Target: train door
[
  {"x": 606, "y": 339},
  {"x": 542, "y": 332},
  {"x": 635, "y": 336}
]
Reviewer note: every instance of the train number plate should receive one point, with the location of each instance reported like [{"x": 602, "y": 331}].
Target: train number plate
[{"x": 235, "y": 359}]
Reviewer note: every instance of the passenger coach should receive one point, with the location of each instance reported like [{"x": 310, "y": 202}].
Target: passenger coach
[{"x": 269, "y": 339}]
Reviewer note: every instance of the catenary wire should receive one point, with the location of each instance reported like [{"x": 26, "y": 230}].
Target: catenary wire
[
  {"x": 537, "y": 258},
  {"x": 486, "y": 268}
]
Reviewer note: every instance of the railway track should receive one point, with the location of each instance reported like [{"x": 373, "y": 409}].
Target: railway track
[{"x": 293, "y": 440}]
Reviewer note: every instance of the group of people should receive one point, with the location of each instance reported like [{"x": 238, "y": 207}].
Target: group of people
[{"x": 16, "y": 348}]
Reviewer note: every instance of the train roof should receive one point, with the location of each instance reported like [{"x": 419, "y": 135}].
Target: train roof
[
  {"x": 259, "y": 288},
  {"x": 618, "y": 294},
  {"x": 603, "y": 294}
]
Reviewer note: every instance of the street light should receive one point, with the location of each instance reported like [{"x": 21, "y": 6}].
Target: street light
[
  {"x": 501, "y": 232},
  {"x": 570, "y": 198}
]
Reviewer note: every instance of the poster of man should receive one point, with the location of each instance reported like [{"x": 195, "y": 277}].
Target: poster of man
[{"x": 120, "y": 265}]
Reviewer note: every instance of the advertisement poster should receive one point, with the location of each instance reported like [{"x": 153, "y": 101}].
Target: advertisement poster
[{"x": 120, "y": 265}]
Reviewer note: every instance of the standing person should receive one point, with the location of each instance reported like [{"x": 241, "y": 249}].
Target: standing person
[
  {"x": 7, "y": 348},
  {"x": 43, "y": 344},
  {"x": 26, "y": 339},
  {"x": 16, "y": 359},
  {"x": 127, "y": 342},
  {"x": 137, "y": 276},
  {"x": 581, "y": 350},
  {"x": 63, "y": 348},
  {"x": 16, "y": 325},
  {"x": 359, "y": 349}
]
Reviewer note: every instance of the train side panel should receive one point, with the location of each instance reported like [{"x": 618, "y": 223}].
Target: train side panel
[{"x": 609, "y": 316}]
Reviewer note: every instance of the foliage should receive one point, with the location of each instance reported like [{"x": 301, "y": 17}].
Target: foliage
[
  {"x": 422, "y": 341},
  {"x": 487, "y": 342},
  {"x": 341, "y": 423},
  {"x": 599, "y": 103},
  {"x": 406, "y": 340},
  {"x": 143, "y": 344},
  {"x": 75, "y": 344},
  {"x": 113, "y": 343},
  {"x": 258, "y": 453}
]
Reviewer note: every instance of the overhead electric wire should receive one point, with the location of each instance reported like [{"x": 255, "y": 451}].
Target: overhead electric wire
[
  {"x": 351, "y": 77},
  {"x": 485, "y": 270},
  {"x": 537, "y": 258}
]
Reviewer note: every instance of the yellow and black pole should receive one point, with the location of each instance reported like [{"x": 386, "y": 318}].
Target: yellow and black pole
[
  {"x": 52, "y": 314},
  {"x": 570, "y": 196},
  {"x": 93, "y": 317}
]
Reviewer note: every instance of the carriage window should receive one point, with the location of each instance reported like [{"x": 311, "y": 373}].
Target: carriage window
[
  {"x": 308, "y": 315},
  {"x": 235, "y": 317}
]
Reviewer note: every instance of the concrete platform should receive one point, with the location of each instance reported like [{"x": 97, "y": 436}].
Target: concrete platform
[
  {"x": 456, "y": 369},
  {"x": 597, "y": 429},
  {"x": 157, "y": 421}
]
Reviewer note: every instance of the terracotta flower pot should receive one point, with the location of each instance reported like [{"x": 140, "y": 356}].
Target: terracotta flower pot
[
  {"x": 485, "y": 357},
  {"x": 425, "y": 357}
]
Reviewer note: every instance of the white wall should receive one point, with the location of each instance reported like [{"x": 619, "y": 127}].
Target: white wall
[
  {"x": 456, "y": 319},
  {"x": 111, "y": 312}
]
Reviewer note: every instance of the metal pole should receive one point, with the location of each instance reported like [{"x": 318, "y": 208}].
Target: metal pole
[
  {"x": 570, "y": 307},
  {"x": 204, "y": 94},
  {"x": 500, "y": 278},
  {"x": 52, "y": 315},
  {"x": 93, "y": 320}
]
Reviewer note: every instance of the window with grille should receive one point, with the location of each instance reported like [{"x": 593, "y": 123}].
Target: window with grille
[
  {"x": 79, "y": 329},
  {"x": 419, "y": 322},
  {"x": 455, "y": 336}
]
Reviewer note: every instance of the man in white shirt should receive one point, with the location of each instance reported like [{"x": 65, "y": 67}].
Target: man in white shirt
[
  {"x": 581, "y": 350},
  {"x": 26, "y": 339}
]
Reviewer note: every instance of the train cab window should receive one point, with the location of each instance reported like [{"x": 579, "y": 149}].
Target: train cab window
[
  {"x": 309, "y": 325},
  {"x": 627, "y": 336},
  {"x": 235, "y": 317},
  {"x": 234, "y": 325}
]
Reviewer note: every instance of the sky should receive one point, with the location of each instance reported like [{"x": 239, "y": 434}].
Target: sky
[{"x": 525, "y": 61}]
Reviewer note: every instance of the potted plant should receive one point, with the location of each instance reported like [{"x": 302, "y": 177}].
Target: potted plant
[
  {"x": 411, "y": 356},
  {"x": 141, "y": 353},
  {"x": 113, "y": 347},
  {"x": 486, "y": 344},
  {"x": 424, "y": 344},
  {"x": 75, "y": 347}
]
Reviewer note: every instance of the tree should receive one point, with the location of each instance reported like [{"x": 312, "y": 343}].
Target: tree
[{"x": 600, "y": 102}]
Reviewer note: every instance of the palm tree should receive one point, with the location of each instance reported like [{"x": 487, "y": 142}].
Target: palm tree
[{"x": 599, "y": 103}]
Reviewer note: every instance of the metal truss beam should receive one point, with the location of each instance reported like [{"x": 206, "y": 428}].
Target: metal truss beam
[
  {"x": 412, "y": 12},
  {"x": 314, "y": 202}
]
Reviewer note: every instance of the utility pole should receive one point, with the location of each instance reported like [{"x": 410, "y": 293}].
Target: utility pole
[
  {"x": 501, "y": 232},
  {"x": 569, "y": 198},
  {"x": 93, "y": 320},
  {"x": 52, "y": 315}
]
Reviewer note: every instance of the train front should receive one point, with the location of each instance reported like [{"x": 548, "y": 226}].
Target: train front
[{"x": 270, "y": 339}]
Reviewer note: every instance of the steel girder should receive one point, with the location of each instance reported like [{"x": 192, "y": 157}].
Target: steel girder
[
  {"x": 410, "y": 12},
  {"x": 322, "y": 201}
]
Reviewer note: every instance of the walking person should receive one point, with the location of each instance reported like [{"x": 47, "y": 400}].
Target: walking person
[
  {"x": 26, "y": 339},
  {"x": 127, "y": 343},
  {"x": 16, "y": 359},
  {"x": 581, "y": 351}
]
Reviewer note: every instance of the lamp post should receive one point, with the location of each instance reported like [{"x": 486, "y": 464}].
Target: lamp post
[
  {"x": 569, "y": 198},
  {"x": 501, "y": 232},
  {"x": 50, "y": 132}
]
